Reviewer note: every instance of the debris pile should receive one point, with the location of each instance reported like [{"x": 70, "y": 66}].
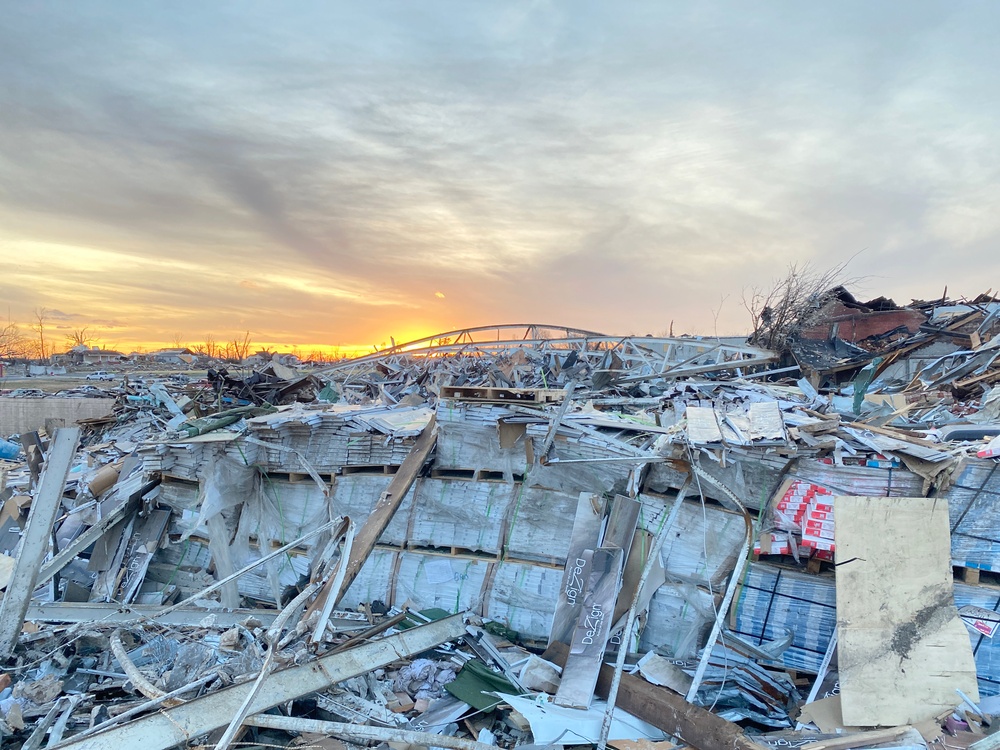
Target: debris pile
[{"x": 524, "y": 535}]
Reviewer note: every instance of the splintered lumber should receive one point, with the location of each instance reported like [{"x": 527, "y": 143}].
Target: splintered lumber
[
  {"x": 388, "y": 503},
  {"x": 35, "y": 543},
  {"x": 173, "y": 726},
  {"x": 665, "y": 710}
]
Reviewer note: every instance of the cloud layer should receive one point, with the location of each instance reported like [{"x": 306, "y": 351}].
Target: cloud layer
[{"x": 326, "y": 173}]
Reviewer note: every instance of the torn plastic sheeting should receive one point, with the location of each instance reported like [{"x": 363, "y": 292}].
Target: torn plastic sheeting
[
  {"x": 284, "y": 510},
  {"x": 752, "y": 473},
  {"x": 974, "y": 511},
  {"x": 575, "y": 444},
  {"x": 523, "y": 597},
  {"x": 865, "y": 481},
  {"x": 738, "y": 688},
  {"x": 453, "y": 584},
  {"x": 227, "y": 484},
  {"x": 985, "y": 650},
  {"x": 772, "y": 599},
  {"x": 460, "y": 513},
  {"x": 375, "y": 581},
  {"x": 703, "y": 543},
  {"x": 355, "y": 496},
  {"x": 326, "y": 439},
  {"x": 551, "y": 724},
  {"x": 540, "y": 525},
  {"x": 468, "y": 439},
  {"x": 680, "y": 617}
]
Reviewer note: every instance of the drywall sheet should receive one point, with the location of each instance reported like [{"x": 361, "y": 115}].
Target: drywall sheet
[{"x": 903, "y": 651}]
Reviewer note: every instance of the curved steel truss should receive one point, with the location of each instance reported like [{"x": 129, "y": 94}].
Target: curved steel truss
[{"x": 634, "y": 356}]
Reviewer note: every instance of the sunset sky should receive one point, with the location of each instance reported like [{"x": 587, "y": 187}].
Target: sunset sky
[{"x": 329, "y": 173}]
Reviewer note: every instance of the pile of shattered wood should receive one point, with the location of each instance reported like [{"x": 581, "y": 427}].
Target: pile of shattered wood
[{"x": 526, "y": 535}]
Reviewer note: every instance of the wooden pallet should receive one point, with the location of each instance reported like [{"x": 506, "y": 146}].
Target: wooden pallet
[
  {"x": 460, "y": 552},
  {"x": 380, "y": 469},
  {"x": 504, "y": 395},
  {"x": 474, "y": 475},
  {"x": 976, "y": 576}
]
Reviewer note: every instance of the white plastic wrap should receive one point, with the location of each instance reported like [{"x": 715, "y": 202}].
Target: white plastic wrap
[
  {"x": 355, "y": 495},
  {"x": 680, "y": 616},
  {"x": 374, "y": 581},
  {"x": 459, "y": 513},
  {"x": 702, "y": 545},
  {"x": 453, "y": 584},
  {"x": 540, "y": 525},
  {"x": 523, "y": 597}
]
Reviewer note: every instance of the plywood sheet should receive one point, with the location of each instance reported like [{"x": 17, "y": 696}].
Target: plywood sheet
[{"x": 903, "y": 650}]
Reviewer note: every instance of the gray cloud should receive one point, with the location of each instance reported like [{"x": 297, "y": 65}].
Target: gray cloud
[{"x": 533, "y": 161}]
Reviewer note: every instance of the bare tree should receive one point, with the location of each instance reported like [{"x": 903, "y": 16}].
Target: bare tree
[
  {"x": 41, "y": 316},
  {"x": 791, "y": 304},
  {"x": 13, "y": 345},
  {"x": 81, "y": 337},
  {"x": 240, "y": 348},
  {"x": 211, "y": 346},
  {"x": 715, "y": 316},
  {"x": 178, "y": 341}
]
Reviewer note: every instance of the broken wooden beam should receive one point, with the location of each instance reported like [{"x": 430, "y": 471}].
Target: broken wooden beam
[{"x": 666, "y": 710}]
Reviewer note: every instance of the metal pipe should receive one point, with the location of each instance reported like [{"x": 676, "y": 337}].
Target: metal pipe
[{"x": 734, "y": 582}]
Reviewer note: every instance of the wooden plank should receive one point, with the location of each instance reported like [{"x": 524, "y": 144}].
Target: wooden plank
[
  {"x": 903, "y": 650},
  {"x": 35, "y": 543},
  {"x": 387, "y": 505}
]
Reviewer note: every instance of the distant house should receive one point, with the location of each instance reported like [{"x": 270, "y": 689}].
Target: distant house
[
  {"x": 263, "y": 356},
  {"x": 183, "y": 356},
  {"x": 88, "y": 355}
]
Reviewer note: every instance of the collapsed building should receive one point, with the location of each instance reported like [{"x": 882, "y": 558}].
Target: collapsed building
[{"x": 525, "y": 534}]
